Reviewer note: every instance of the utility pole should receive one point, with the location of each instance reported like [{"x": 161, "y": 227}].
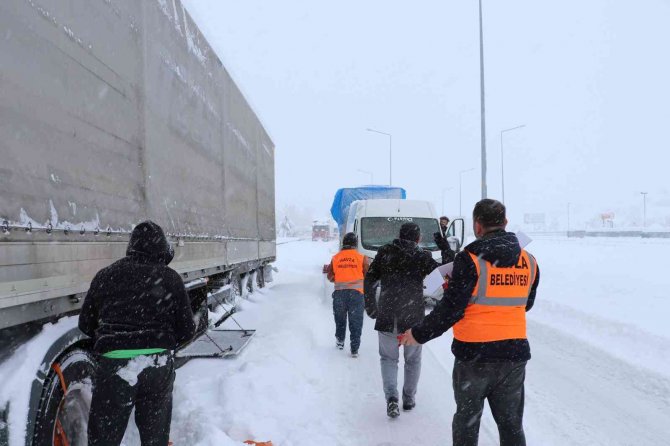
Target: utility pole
[
  {"x": 644, "y": 215},
  {"x": 483, "y": 110}
]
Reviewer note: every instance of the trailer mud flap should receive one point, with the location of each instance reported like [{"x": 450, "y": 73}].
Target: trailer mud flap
[{"x": 217, "y": 344}]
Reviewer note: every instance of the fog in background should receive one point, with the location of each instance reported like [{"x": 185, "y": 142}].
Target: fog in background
[{"x": 589, "y": 80}]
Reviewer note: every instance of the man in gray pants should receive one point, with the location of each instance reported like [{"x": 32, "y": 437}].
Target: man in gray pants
[
  {"x": 400, "y": 267},
  {"x": 389, "y": 353}
]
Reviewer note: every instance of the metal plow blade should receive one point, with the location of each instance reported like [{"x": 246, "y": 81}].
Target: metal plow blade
[{"x": 217, "y": 344}]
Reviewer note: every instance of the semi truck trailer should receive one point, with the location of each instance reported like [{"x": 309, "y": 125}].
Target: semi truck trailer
[{"x": 112, "y": 113}]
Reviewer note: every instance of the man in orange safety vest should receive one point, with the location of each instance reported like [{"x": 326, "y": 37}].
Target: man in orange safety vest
[
  {"x": 347, "y": 271},
  {"x": 492, "y": 286}
]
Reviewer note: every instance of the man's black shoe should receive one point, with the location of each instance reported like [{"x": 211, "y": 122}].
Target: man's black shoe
[
  {"x": 407, "y": 406},
  {"x": 392, "y": 408}
]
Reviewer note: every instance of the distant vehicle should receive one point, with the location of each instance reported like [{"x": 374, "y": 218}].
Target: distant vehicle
[{"x": 321, "y": 232}]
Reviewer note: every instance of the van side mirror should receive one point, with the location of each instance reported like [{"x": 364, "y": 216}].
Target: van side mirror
[{"x": 456, "y": 234}]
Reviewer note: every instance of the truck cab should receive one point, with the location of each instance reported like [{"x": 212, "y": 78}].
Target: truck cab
[
  {"x": 377, "y": 222},
  {"x": 321, "y": 231}
]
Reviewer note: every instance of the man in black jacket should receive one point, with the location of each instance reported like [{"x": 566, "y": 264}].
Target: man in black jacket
[
  {"x": 400, "y": 267},
  {"x": 493, "y": 284},
  {"x": 137, "y": 311}
]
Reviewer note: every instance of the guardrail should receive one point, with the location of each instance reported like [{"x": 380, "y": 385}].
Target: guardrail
[
  {"x": 297, "y": 239},
  {"x": 582, "y": 234}
]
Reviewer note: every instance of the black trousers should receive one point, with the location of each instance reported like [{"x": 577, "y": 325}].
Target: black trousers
[
  {"x": 502, "y": 384},
  {"x": 144, "y": 383}
]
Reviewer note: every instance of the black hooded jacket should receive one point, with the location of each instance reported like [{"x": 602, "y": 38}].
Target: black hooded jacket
[
  {"x": 138, "y": 302},
  {"x": 401, "y": 267},
  {"x": 448, "y": 255},
  {"x": 498, "y": 247}
]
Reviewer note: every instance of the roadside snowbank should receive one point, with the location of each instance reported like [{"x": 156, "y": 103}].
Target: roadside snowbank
[{"x": 609, "y": 293}]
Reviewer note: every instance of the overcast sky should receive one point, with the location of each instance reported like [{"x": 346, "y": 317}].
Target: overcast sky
[{"x": 589, "y": 79}]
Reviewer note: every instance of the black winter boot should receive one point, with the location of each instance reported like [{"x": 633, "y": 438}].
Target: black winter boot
[{"x": 392, "y": 408}]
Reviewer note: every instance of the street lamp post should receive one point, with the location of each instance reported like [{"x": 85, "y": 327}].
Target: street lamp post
[
  {"x": 367, "y": 172},
  {"x": 443, "y": 191},
  {"x": 390, "y": 153},
  {"x": 460, "y": 190},
  {"x": 483, "y": 107},
  {"x": 502, "y": 157},
  {"x": 644, "y": 215}
]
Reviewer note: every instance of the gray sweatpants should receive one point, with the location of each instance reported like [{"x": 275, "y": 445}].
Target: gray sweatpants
[{"x": 389, "y": 353}]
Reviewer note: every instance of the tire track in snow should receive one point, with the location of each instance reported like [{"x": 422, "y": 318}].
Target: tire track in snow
[{"x": 578, "y": 394}]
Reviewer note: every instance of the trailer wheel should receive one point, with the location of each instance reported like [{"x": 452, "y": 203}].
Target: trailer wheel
[
  {"x": 62, "y": 417},
  {"x": 245, "y": 286},
  {"x": 260, "y": 278},
  {"x": 235, "y": 291},
  {"x": 252, "y": 284}
]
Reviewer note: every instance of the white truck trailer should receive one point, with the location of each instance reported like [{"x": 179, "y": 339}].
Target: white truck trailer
[{"x": 111, "y": 113}]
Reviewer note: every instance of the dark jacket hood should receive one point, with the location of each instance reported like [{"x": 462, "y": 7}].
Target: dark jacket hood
[
  {"x": 499, "y": 247},
  {"x": 148, "y": 242},
  {"x": 405, "y": 246}
]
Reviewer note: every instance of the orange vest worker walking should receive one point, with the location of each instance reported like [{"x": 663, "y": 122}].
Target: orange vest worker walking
[
  {"x": 492, "y": 286},
  {"x": 347, "y": 270}
]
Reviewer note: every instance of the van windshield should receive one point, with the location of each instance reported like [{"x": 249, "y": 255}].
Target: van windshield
[{"x": 378, "y": 231}]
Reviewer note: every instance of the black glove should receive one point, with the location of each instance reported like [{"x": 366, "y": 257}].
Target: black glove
[
  {"x": 441, "y": 241},
  {"x": 448, "y": 256}
]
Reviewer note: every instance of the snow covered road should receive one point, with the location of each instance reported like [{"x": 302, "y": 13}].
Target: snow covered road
[{"x": 293, "y": 387}]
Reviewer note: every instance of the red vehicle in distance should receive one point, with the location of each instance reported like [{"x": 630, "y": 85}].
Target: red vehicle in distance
[{"x": 321, "y": 231}]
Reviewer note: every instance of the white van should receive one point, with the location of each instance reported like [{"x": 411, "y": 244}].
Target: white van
[{"x": 377, "y": 222}]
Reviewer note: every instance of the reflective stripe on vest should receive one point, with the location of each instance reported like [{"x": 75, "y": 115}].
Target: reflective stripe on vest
[
  {"x": 497, "y": 308},
  {"x": 355, "y": 285},
  {"x": 348, "y": 270}
]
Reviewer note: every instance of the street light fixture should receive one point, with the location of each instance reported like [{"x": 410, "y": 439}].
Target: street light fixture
[
  {"x": 390, "y": 153},
  {"x": 460, "y": 190},
  {"x": 502, "y": 157},
  {"x": 644, "y": 215},
  {"x": 367, "y": 172},
  {"x": 443, "y": 191}
]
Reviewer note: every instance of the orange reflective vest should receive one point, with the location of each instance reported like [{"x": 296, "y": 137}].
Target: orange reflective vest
[
  {"x": 497, "y": 308},
  {"x": 348, "y": 270}
]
